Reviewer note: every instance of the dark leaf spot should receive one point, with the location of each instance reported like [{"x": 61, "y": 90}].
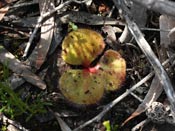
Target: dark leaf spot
[
  {"x": 110, "y": 73},
  {"x": 110, "y": 84},
  {"x": 87, "y": 92},
  {"x": 71, "y": 36},
  {"x": 95, "y": 77},
  {"x": 75, "y": 81},
  {"x": 95, "y": 81},
  {"x": 101, "y": 69},
  {"x": 65, "y": 51}
]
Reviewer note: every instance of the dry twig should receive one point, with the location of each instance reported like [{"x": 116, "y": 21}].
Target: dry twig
[
  {"x": 73, "y": 16},
  {"x": 140, "y": 125},
  {"x": 63, "y": 125},
  {"x": 7, "y": 121},
  {"x": 152, "y": 95}
]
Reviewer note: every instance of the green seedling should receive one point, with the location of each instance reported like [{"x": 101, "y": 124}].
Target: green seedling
[
  {"x": 4, "y": 128},
  {"x": 107, "y": 125},
  {"x": 81, "y": 47},
  {"x": 87, "y": 85},
  {"x": 72, "y": 26},
  {"x": 12, "y": 105}
]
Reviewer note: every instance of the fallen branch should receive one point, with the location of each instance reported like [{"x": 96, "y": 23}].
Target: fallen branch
[
  {"x": 161, "y": 6},
  {"x": 87, "y": 18},
  {"x": 154, "y": 61},
  {"x": 73, "y": 16}
]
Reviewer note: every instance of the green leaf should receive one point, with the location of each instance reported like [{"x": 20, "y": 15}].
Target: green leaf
[
  {"x": 107, "y": 125},
  {"x": 81, "y": 47},
  {"x": 82, "y": 87},
  {"x": 72, "y": 26}
]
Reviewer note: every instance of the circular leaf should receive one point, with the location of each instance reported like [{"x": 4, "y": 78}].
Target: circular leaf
[
  {"x": 114, "y": 68},
  {"x": 82, "y": 87},
  {"x": 81, "y": 47}
]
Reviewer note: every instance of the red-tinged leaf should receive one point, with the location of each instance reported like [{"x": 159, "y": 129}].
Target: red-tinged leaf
[
  {"x": 103, "y": 8},
  {"x": 114, "y": 68}
]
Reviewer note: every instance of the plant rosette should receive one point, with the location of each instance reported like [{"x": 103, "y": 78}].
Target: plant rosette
[{"x": 86, "y": 86}]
